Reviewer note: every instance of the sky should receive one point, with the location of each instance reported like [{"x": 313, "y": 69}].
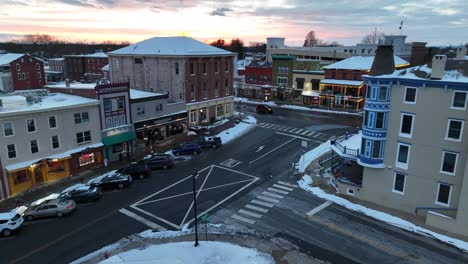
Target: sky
[{"x": 438, "y": 22}]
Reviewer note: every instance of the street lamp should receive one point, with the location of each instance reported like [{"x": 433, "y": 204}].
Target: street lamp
[
  {"x": 240, "y": 108},
  {"x": 194, "y": 177}
]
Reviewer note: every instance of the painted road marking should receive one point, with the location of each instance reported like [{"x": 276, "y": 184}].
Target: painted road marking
[
  {"x": 243, "y": 219},
  {"x": 242, "y": 211},
  {"x": 294, "y": 130},
  {"x": 276, "y": 190},
  {"x": 288, "y": 184},
  {"x": 305, "y": 132},
  {"x": 262, "y": 203},
  {"x": 141, "y": 219},
  {"x": 273, "y": 195},
  {"x": 230, "y": 163},
  {"x": 271, "y": 151},
  {"x": 308, "y": 139},
  {"x": 319, "y": 208},
  {"x": 257, "y": 208},
  {"x": 271, "y": 200},
  {"x": 282, "y": 187},
  {"x": 260, "y": 148}
]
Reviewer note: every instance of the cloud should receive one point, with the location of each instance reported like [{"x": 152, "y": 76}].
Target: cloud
[
  {"x": 221, "y": 11},
  {"x": 446, "y": 12},
  {"x": 81, "y": 3}
]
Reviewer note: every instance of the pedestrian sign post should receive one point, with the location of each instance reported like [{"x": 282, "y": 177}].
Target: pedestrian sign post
[{"x": 204, "y": 219}]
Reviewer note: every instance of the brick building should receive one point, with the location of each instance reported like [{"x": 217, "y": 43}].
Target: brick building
[
  {"x": 21, "y": 72},
  {"x": 85, "y": 67}
]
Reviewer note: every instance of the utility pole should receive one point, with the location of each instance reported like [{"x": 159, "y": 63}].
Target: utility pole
[{"x": 194, "y": 176}]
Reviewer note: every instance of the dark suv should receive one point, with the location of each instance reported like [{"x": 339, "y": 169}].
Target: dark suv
[
  {"x": 261, "y": 108},
  {"x": 159, "y": 161},
  {"x": 136, "y": 170}
]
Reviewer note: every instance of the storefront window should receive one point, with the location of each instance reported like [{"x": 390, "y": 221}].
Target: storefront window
[
  {"x": 228, "y": 108},
  {"x": 118, "y": 148},
  {"x": 21, "y": 176},
  {"x": 56, "y": 166},
  {"x": 86, "y": 159},
  {"x": 174, "y": 129},
  {"x": 220, "y": 110}
]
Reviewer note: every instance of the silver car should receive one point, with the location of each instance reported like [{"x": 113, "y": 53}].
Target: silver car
[{"x": 55, "y": 207}]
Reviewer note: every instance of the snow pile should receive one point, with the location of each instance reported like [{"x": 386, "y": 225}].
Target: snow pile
[
  {"x": 240, "y": 129},
  {"x": 312, "y": 155},
  {"x": 185, "y": 252},
  {"x": 306, "y": 180},
  {"x": 304, "y": 108},
  {"x": 48, "y": 197}
]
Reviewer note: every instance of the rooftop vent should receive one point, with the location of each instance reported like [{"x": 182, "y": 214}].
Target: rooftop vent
[{"x": 438, "y": 66}]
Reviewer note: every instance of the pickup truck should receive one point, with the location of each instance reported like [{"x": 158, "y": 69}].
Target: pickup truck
[{"x": 209, "y": 142}]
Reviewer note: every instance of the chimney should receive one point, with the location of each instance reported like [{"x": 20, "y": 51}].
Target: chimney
[
  {"x": 67, "y": 82},
  {"x": 461, "y": 53},
  {"x": 384, "y": 62},
  {"x": 438, "y": 66}
]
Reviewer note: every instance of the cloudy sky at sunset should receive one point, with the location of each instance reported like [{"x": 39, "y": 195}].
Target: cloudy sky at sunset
[{"x": 439, "y": 22}]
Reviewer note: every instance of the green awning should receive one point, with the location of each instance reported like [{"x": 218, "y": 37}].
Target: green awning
[{"x": 119, "y": 138}]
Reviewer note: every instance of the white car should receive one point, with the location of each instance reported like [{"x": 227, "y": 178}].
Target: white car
[{"x": 9, "y": 222}]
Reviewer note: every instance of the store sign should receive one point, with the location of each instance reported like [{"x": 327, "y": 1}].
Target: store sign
[
  {"x": 117, "y": 130},
  {"x": 86, "y": 159}
]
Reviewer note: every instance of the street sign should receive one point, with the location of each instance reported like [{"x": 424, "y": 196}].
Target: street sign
[
  {"x": 304, "y": 143},
  {"x": 205, "y": 218}
]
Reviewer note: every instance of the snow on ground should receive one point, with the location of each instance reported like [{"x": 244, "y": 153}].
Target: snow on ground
[
  {"x": 312, "y": 155},
  {"x": 246, "y": 100},
  {"x": 229, "y": 134},
  {"x": 185, "y": 252}
]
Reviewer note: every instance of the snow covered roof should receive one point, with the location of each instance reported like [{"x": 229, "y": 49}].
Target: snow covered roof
[
  {"x": 170, "y": 46},
  {"x": 73, "y": 85},
  {"x": 96, "y": 55},
  {"x": 9, "y": 57},
  {"x": 54, "y": 156},
  {"x": 361, "y": 63},
  {"x": 136, "y": 94},
  {"x": 16, "y": 104},
  {"x": 342, "y": 82},
  {"x": 310, "y": 93},
  {"x": 455, "y": 71}
]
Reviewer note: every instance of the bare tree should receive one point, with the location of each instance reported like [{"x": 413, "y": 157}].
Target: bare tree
[
  {"x": 311, "y": 39},
  {"x": 373, "y": 38}
]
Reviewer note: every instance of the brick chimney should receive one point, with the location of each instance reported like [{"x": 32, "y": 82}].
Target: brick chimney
[
  {"x": 438, "y": 66},
  {"x": 383, "y": 63}
]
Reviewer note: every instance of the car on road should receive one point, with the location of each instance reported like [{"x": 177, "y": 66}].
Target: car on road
[
  {"x": 187, "y": 148},
  {"x": 54, "y": 207},
  {"x": 136, "y": 170},
  {"x": 82, "y": 194},
  {"x": 209, "y": 142},
  {"x": 261, "y": 108},
  {"x": 9, "y": 222},
  {"x": 159, "y": 161},
  {"x": 112, "y": 181}
]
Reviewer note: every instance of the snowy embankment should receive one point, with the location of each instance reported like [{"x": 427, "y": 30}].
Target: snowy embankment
[
  {"x": 353, "y": 142},
  {"x": 234, "y": 132}
]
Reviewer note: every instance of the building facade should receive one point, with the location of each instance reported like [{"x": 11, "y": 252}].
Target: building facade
[
  {"x": 21, "y": 72},
  {"x": 190, "y": 72},
  {"x": 85, "y": 68},
  {"x": 414, "y": 150},
  {"x": 46, "y": 138},
  {"x": 55, "y": 72}
]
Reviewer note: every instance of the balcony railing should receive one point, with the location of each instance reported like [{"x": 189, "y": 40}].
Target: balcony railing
[{"x": 345, "y": 150}]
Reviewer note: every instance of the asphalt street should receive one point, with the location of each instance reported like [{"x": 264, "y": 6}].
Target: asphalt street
[{"x": 255, "y": 167}]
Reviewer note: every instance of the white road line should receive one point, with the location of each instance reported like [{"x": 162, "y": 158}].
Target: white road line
[
  {"x": 310, "y": 133},
  {"x": 269, "y": 125},
  {"x": 294, "y": 130},
  {"x": 305, "y": 132},
  {"x": 271, "y": 200},
  {"x": 273, "y": 195},
  {"x": 256, "y": 208},
  {"x": 283, "y": 187},
  {"x": 242, "y": 211},
  {"x": 262, "y": 203},
  {"x": 284, "y": 129},
  {"x": 196, "y": 196},
  {"x": 262, "y": 124},
  {"x": 276, "y": 190},
  {"x": 308, "y": 139},
  {"x": 235, "y": 164},
  {"x": 155, "y": 217},
  {"x": 141, "y": 219},
  {"x": 319, "y": 208},
  {"x": 271, "y": 151},
  {"x": 299, "y": 131},
  {"x": 243, "y": 219},
  {"x": 288, "y": 184}
]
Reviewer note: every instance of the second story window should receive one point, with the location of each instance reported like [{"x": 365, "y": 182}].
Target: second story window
[
  {"x": 8, "y": 129},
  {"x": 410, "y": 95},
  {"x": 159, "y": 108},
  {"x": 83, "y": 137},
  {"x": 216, "y": 67},
  {"x": 459, "y": 100},
  {"x": 18, "y": 67},
  {"x": 52, "y": 122},
  {"x": 406, "y": 125},
  {"x": 192, "y": 69},
  {"x": 454, "y": 129},
  {"x": 226, "y": 86},
  {"x": 55, "y": 142},
  {"x": 141, "y": 110},
  {"x": 31, "y": 125},
  {"x": 204, "y": 68},
  {"x": 138, "y": 61},
  {"x": 216, "y": 89},
  {"x": 39, "y": 76},
  {"x": 226, "y": 66},
  {"x": 176, "y": 68},
  {"x": 449, "y": 162},
  {"x": 81, "y": 117},
  {"x": 205, "y": 91},
  {"x": 11, "y": 151},
  {"x": 192, "y": 92},
  {"x": 120, "y": 103},
  {"x": 34, "y": 146},
  {"x": 383, "y": 93},
  {"x": 107, "y": 105},
  {"x": 38, "y": 67},
  {"x": 379, "y": 121}
]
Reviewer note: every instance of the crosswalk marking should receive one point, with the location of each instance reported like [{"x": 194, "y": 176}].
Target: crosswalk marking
[
  {"x": 142, "y": 220},
  {"x": 305, "y": 132},
  {"x": 242, "y": 211},
  {"x": 230, "y": 163},
  {"x": 271, "y": 200},
  {"x": 256, "y": 208},
  {"x": 276, "y": 190},
  {"x": 243, "y": 219},
  {"x": 282, "y": 187},
  {"x": 288, "y": 184},
  {"x": 262, "y": 203},
  {"x": 273, "y": 195},
  {"x": 319, "y": 208},
  {"x": 295, "y": 130}
]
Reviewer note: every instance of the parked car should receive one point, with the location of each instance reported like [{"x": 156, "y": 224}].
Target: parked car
[
  {"x": 112, "y": 181},
  {"x": 159, "y": 161},
  {"x": 82, "y": 194},
  {"x": 136, "y": 170},
  {"x": 187, "y": 148},
  {"x": 209, "y": 142},
  {"x": 55, "y": 207},
  {"x": 261, "y": 108},
  {"x": 10, "y": 222}
]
